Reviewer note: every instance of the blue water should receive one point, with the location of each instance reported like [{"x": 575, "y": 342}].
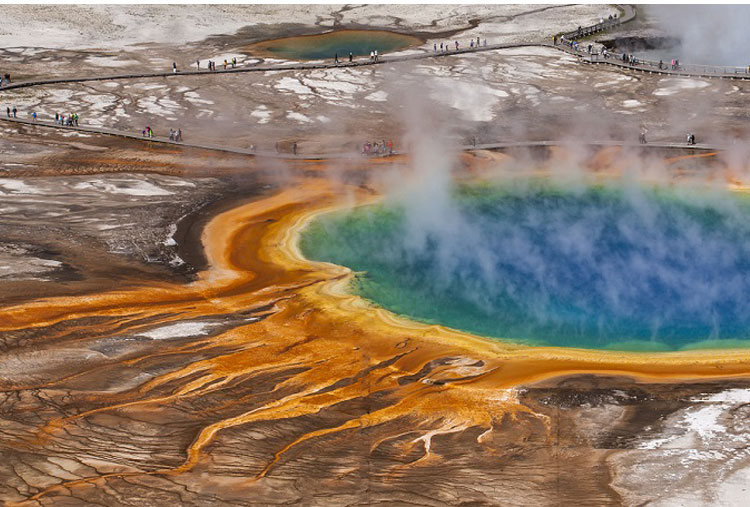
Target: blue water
[{"x": 616, "y": 267}]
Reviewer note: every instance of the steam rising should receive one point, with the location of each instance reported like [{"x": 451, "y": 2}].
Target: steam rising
[
  {"x": 709, "y": 33},
  {"x": 560, "y": 260}
]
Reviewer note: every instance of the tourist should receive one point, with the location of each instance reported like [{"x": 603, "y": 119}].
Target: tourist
[
  {"x": 376, "y": 55},
  {"x": 171, "y": 134},
  {"x": 390, "y": 147},
  {"x": 294, "y": 147},
  {"x": 673, "y": 65},
  {"x": 7, "y": 111},
  {"x": 198, "y": 64},
  {"x": 14, "y": 111},
  {"x": 33, "y": 116},
  {"x": 351, "y": 57},
  {"x": 434, "y": 47},
  {"x": 225, "y": 64},
  {"x": 179, "y": 135},
  {"x": 57, "y": 117},
  {"x": 372, "y": 55},
  {"x": 336, "y": 58},
  {"x": 1, "y": 80},
  {"x": 7, "y": 78},
  {"x": 471, "y": 43},
  {"x": 477, "y": 41},
  {"x": 456, "y": 45},
  {"x": 234, "y": 62},
  {"x": 75, "y": 118},
  {"x": 174, "y": 67},
  {"x": 441, "y": 47}
]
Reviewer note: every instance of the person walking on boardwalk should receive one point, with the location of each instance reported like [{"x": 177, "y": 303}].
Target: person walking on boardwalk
[
  {"x": 234, "y": 62},
  {"x": 294, "y": 147},
  {"x": 376, "y": 55},
  {"x": 179, "y": 135},
  {"x": 33, "y": 116},
  {"x": 198, "y": 64},
  {"x": 456, "y": 45},
  {"x": 174, "y": 67},
  {"x": 225, "y": 64},
  {"x": 7, "y": 111},
  {"x": 351, "y": 57},
  {"x": 336, "y": 58},
  {"x": 14, "y": 111}
]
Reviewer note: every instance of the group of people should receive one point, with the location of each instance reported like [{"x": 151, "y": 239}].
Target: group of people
[
  {"x": 4, "y": 80},
  {"x": 377, "y": 148},
  {"x": 351, "y": 57},
  {"x": 212, "y": 64},
  {"x": 374, "y": 55},
  {"x": 629, "y": 59},
  {"x": 642, "y": 137},
  {"x": 445, "y": 47},
  {"x": 175, "y": 135},
  {"x": 147, "y": 132},
  {"x": 10, "y": 111},
  {"x": 71, "y": 120}
]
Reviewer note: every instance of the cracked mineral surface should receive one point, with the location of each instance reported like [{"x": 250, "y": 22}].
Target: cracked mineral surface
[{"x": 163, "y": 342}]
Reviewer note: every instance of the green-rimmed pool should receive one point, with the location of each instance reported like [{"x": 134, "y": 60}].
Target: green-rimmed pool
[{"x": 339, "y": 42}]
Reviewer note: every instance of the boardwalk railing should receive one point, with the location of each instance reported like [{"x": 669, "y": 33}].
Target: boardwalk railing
[
  {"x": 568, "y": 42},
  {"x": 643, "y": 64},
  {"x": 628, "y": 14}
]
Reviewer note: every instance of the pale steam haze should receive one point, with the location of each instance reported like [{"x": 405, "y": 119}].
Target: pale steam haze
[
  {"x": 611, "y": 261},
  {"x": 710, "y": 34}
]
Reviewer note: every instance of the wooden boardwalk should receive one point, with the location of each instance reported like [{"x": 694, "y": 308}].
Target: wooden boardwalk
[
  {"x": 628, "y": 14},
  {"x": 353, "y": 155},
  {"x": 359, "y": 62}
]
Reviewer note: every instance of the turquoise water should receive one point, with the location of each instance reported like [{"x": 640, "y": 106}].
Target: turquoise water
[
  {"x": 340, "y": 42},
  {"x": 623, "y": 268}
]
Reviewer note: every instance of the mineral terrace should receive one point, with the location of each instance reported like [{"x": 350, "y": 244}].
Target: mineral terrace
[{"x": 157, "y": 348}]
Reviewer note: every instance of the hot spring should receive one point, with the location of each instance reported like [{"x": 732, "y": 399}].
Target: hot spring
[
  {"x": 341, "y": 42},
  {"x": 621, "y": 266}
]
